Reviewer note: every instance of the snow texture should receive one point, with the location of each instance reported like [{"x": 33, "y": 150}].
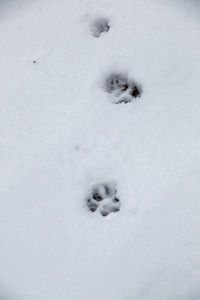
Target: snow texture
[{"x": 61, "y": 134}]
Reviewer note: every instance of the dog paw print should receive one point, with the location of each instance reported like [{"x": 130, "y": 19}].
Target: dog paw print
[
  {"x": 98, "y": 26},
  {"x": 103, "y": 198},
  {"x": 122, "y": 89}
]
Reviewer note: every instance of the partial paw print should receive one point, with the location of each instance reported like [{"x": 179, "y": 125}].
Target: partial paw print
[
  {"x": 122, "y": 89},
  {"x": 99, "y": 26},
  {"x": 103, "y": 198}
]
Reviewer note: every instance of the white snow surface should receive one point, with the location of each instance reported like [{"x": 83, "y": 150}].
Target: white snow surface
[{"x": 60, "y": 133}]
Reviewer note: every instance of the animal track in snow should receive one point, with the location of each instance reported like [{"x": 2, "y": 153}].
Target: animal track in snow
[
  {"x": 121, "y": 88},
  {"x": 98, "y": 26},
  {"x": 103, "y": 198}
]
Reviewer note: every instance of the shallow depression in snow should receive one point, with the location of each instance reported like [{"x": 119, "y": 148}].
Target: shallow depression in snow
[
  {"x": 99, "y": 26},
  {"x": 122, "y": 89},
  {"x": 103, "y": 198}
]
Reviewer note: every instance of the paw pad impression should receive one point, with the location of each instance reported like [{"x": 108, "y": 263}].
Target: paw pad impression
[
  {"x": 99, "y": 26},
  {"x": 122, "y": 89},
  {"x": 103, "y": 198}
]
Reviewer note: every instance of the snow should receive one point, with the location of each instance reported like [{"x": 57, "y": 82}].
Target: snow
[{"x": 60, "y": 134}]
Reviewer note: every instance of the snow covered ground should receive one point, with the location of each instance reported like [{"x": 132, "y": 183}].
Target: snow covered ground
[{"x": 61, "y": 133}]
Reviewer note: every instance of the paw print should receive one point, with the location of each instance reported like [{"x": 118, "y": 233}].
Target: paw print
[
  {"x": 103, "y": 198},
  {"x": 122, "y": 88},
  {"x": 99, "y": 26}
]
